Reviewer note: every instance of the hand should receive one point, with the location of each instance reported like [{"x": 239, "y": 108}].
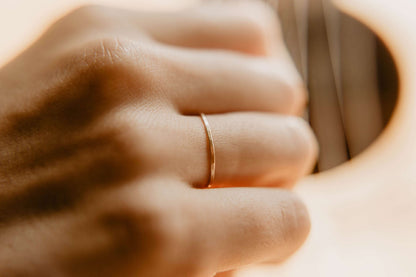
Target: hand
[{"x": 101, "y": 145}]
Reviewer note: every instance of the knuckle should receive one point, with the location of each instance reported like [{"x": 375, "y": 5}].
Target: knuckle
[
  {"x": 137, "y": 229},
  {"x": 293, "y": 91},
  {"x": 90, "y": 57},
  {"x": 151, "y": 233},
  {"x": 109, "y": 53},
  {"x": 305, "y": 143},
  {"x": 128, "y": 62},
  {"x": 282, "y": 86},
  {"x": 261, "y": 23},
  {"x": 103, "y": 65},
  {"x": 297, "y": 97},
  {"x": 132, "y": 130},
  {"x": 292, "y": 97}
]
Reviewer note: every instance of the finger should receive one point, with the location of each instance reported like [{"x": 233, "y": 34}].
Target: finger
[
  {"x": 206, "y": 80},
  {"x": 224, "y": 274},
  {"x": 251, "y": 149},
  {"x": 236, "y": 227},
  {"x": 218, "y": 82},
  {"x": 247, "y": 26}
]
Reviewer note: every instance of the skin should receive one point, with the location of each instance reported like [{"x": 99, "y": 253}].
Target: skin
[{"x": 102, "y": 151}]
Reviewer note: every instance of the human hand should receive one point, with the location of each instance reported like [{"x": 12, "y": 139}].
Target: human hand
[{"x": 101, "y": 145}]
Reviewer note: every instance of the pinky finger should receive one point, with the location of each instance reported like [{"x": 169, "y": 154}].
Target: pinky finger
[{"x": 240, "y": 226}]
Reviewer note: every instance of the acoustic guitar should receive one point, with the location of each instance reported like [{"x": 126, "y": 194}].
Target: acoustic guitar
[{"x": 363, "y": 211}]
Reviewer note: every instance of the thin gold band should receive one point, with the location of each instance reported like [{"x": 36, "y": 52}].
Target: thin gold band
[{"x": 211, "y": 148}]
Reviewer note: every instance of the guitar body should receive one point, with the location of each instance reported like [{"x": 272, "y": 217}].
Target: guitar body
[{"x": 363, "y": 212}]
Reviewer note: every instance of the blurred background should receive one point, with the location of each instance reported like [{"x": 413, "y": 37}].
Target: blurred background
[{"x": 350, "y": 74}]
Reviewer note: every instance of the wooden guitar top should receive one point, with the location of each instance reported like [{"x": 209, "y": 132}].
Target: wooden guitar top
[{"x": 363, "y": 212}]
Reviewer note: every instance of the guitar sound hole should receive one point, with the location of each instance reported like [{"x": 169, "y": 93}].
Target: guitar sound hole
[
  {"x": 388, "y": 81},
  {"x": 350, "y": 74}
]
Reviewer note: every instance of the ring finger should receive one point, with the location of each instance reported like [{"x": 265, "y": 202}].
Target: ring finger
[{"x": 252, "y": 149}]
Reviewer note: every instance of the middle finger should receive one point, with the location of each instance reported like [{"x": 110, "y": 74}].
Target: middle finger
[{"x": 223, "y": 81}]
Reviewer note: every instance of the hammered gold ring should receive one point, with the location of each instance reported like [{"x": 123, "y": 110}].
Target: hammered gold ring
[{"x": 211, "y": 149}]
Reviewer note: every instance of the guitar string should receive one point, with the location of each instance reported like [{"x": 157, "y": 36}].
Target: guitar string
[
  {"x": 334, "y": 40},
  {"x": 331, "y": 15},
  {"x": 301, "y": 18}
]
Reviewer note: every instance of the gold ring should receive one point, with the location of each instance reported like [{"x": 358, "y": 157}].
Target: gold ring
[{"x": 211, "y": 148}]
